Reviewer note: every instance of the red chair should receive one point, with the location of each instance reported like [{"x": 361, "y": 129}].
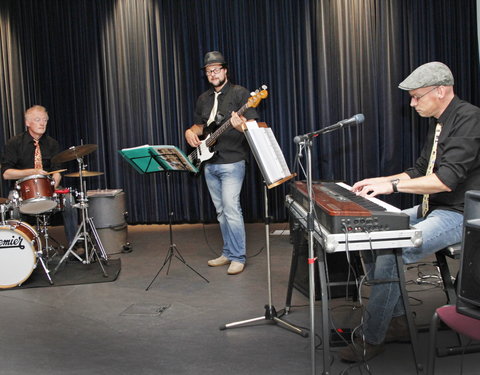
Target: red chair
[
  {"x": 462, "y": 315},
  {"x": 460, "y": 323}
]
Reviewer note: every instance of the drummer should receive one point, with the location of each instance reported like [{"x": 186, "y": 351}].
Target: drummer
[{"x": 30, "y": 153}]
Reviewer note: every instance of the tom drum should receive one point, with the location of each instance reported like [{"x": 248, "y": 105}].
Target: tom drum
[{"x": 37, "y": 194}]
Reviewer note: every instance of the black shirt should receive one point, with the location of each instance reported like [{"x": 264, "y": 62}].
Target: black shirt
[
  {"x": 457, "y": 163},
  {"x": 20, "y": 150},
  {"x": 232, "y": 145}
]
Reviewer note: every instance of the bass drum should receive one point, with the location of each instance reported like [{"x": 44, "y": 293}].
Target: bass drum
[{"x": 19, "y": 243}]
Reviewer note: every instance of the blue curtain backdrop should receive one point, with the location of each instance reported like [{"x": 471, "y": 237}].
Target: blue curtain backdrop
[{"x": 122, "y": 73}]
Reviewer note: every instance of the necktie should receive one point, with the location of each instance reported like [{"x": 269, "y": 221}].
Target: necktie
[
  {"x": 213, "y": 113},
  {"x": 431, "y": 163},
  {"x": 37, "y": 155}
]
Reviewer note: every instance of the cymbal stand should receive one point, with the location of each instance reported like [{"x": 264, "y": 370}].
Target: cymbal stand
[
  {"x": 270, "y": 312},
  {"x": 92, "y": 246}
]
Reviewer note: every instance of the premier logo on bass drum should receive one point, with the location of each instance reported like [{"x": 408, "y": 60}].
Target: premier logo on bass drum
[{"x": 13, "y": 242}]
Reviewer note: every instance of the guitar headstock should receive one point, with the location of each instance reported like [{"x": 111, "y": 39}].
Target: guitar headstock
[{"x": 257, "y": 96}]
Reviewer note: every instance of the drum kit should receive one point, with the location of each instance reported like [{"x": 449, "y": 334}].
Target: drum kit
[{"x": 21, "y": 246}]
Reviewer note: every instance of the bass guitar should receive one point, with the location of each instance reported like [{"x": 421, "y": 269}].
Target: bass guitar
[{"x": 205, "y": 150}]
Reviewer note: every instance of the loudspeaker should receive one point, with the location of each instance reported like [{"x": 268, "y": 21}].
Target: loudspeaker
[
  {"x": 337, "y": 264},
  {"x": 468, "y": 301}
]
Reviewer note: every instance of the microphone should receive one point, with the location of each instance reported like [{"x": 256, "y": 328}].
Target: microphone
[{"x": 354, "y": 120}]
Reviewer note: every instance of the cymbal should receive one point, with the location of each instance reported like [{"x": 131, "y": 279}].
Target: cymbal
[
  {"x": 84, "y": 174},
  {"x": 73, "y": 153}
]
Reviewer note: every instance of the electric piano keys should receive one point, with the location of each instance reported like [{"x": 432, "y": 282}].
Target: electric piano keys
[
  {"x": 344, "y": 220},
  {"x": 339, "y": 210}
]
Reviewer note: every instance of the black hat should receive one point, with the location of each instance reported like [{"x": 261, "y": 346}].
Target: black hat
[{"x": 213, "y": 57}]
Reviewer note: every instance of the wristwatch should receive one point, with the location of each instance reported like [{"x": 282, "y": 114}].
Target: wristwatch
[{"x": 394, "y": 185}]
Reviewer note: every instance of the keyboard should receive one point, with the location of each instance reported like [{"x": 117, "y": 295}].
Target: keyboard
[{"x": 340, "y": 210}]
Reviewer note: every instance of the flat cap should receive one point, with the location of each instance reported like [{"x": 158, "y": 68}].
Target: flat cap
[
  {"x": 431, "y": 74},
  {"x": 213, "y": 57}
]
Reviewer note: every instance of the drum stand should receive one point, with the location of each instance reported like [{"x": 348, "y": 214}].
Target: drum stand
[
  {"x": 42, "y": 262},
  {"x": 42, "y": 230},
  {"x": 92, "y": 246}
]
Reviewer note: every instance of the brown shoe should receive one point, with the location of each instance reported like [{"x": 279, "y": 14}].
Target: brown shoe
[
  {"x": 220, "y": 261},
  {"x": 79, "y": 251},
  {"x": 235, "y": 268},
  {"x": 398, "y": 330},
  {"x": 360, "y": 351}
]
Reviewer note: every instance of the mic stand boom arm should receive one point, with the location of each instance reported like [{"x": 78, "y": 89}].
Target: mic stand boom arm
[{"x": 355, "y": 120}]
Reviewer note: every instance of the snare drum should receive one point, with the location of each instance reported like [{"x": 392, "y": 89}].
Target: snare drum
[
  {"x": 37, "y": 194},
  {"x": 19, "y": 244},
  {"x": 61, "y": 196}
]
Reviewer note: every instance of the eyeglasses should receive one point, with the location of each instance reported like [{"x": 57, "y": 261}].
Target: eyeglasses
[
  {"x": 417, "y": 98},
  {"x": 40, "y": 119},
  {"x": 213, "y": 71}
]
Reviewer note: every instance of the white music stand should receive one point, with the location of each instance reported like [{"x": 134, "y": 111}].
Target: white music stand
[{"x": 275, "y": 171}]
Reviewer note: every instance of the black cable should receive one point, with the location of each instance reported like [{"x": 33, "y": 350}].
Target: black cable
[{"x": 463, "y": 355}]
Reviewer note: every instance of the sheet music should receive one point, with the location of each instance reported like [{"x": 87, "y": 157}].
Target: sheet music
[
  {"x": 173, "y": 158},
  {"x": 148, "y": 158},
  {"x": 267, "y": 152}
]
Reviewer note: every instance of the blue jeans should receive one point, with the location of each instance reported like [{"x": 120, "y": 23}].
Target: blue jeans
[
  {"x": 70, "y": 218},
  {"x": 440, "y": 229},
  {"x": 225, "y": 182}
]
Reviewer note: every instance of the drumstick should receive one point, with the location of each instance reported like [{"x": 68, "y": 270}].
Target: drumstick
[{"x": 57, "y": 171}]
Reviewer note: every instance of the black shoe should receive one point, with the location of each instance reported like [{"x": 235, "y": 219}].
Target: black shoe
[
  {"x": 398, "y": 330},
  {"x": 359, "y": 351},
  {"x": 73, "y": 258}
]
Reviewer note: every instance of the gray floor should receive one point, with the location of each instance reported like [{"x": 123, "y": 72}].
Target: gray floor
[{"x": 117, "y": 327}]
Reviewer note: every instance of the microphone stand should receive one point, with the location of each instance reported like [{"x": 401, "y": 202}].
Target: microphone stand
[{"x": 306, "y": 141}]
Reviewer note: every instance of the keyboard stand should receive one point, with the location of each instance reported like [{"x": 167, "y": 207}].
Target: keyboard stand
[{"x": 330, "y": 243}]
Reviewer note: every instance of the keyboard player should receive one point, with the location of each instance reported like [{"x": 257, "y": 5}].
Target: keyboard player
[{"x": 448, "y": 166}]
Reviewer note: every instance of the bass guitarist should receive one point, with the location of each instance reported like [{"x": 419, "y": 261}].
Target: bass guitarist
[{"x": 225, "y": 168}]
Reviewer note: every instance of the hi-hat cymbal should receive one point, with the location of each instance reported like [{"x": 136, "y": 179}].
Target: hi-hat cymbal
[
  {"x": 84, "y": 174},
  {"x": 73, "y": 153}
]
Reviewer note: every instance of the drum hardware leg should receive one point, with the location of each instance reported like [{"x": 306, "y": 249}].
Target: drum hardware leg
[
  {"x": 3, "y": 210},
  {"x": 42, "y": 229},
  {"x": 97, "y": 239},
  {"x": 42, "y": 262},
  {"x": 92, "y": 246},
  {"x": 83, "y": 229}
]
